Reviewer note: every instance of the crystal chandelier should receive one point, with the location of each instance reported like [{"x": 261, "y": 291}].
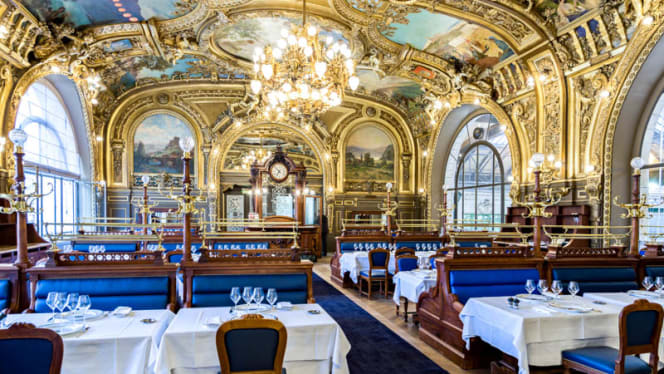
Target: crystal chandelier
[{"x": 302, "y": 76}]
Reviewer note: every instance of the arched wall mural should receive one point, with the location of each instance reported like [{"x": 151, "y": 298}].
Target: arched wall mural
[{"x": 156, "y": 144}]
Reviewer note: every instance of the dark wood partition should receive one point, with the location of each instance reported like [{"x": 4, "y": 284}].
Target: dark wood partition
[{"x": 350, "y": 236}]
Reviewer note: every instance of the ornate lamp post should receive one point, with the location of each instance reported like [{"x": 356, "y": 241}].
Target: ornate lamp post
[
  {"x": 389, "y": 207},
  {"x": 445, "y": 213},
  {"x": 145, "y": 207}
]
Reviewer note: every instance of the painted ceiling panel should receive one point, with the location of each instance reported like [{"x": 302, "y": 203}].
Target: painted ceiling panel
[
  {"x": 97, "y": 12},
  {"x": 449, "y": 38}
]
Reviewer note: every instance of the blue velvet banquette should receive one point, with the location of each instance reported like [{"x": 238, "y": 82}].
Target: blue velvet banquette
[
  {"x": 105, "y": 247},
  {"x": 596, "y": 274},
  {"x": 8, "y": 287}
]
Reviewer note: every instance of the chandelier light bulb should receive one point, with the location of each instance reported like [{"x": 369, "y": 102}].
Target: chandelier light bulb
[
  {"x": 301, "y": 42},
  {"x": 558, "y": 165},
  {"x": 550, "y": 157},
  {"x": 604, "y": 93},
  {"x": 329, "y": 40},
  {"x": 438, "y": 105},
  {"x": 267, "y": 71},
  {"x": 282, "y": 44},
  {"x": 329, "y": 54},
  {"x": 311, "y": 30},
  {"x": 321, "y": 68},
  {"x": 256, "y": 68},
  {"x": 350, "y": 66},
  {"x": 315, "y": 94},
  {"x": 308, "y": 51},
  {"x": 647, "y": 20},
  {"x": 353, "y": 82},
  {"x": 277, "y": 53},
  {"x": 284, "y": 33},
  {"x": 292, "y": 40},
  {"x": 255, "y": 86}
]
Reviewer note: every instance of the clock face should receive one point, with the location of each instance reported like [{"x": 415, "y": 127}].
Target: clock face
[{"x": 278, "y": 171}]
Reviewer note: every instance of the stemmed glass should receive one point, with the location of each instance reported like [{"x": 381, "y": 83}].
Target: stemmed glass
[
  {"x": 573, "y": 288},
  {"x": 557, "y": 288},
  {"x": 659, "y": 284},
  {"x": 647, "y": 283},
  {"x": 61, "y": 302},
  {"x": 51, "y": 302},
  {"x": 530, "y": 286},
  {"x": 71, "y": 303},
  {"x": 235, "y": 296},
  {"x": 83, "y": 304},
  {"x": 258, "y": 296},
  {"x": 271, "y": 297},
  {"x": 542, "y": 286},
  {"x": 247, "y": 294}
]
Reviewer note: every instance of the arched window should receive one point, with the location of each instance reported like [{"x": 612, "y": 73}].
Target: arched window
[
  {"x": 652, "y": 173},
  {"x": 479, "y": 171},
  {"x": 51, "y": 148}
]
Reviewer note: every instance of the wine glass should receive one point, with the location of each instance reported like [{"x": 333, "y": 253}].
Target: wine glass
[
  {"x": 647, "y": 283},
  {"x": 542, "y": 286},
  {"x": 557, "y": 287},
  {"x": 61, "y": 302},
  {"x": 258, "y": 296},
  {"x": 271, "y": 297},
  {"x": 530, "y": 286},
  {"x": 573, "y": 288},
  {"x": 71, "y": 304},
  {"x": 235, "y": 296},
  {"x": 247, "y": 294},
  {"x": 50, "y": 302},
  {"x": 659, "y": 284},
  {"x": 83, "y": 304}
]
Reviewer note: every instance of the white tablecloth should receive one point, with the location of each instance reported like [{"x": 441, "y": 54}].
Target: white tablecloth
[
  {"x": 535, "y": 334},
  {"x": 316, "y": 344},
  {"x": 112, "y": 345},
  {"x": 410, "y": 284},
  {"x": 355, "y": 262},
  {"x": 621, "y": 298}
]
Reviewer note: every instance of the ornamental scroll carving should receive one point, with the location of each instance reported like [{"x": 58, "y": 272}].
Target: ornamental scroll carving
[
  {"x": 588, "y": 88},
  {"x": 551, "y": 96},
  {"x": 524, "y": 113}
]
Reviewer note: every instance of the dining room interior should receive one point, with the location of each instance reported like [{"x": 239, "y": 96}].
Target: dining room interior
[{"x": 331, "y": 186}]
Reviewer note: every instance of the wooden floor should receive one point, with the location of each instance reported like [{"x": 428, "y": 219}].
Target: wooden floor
[{"x": 384, "y": 310}]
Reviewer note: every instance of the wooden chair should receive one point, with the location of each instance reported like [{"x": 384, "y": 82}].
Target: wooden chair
[
  {"x": 377, "y": 273},
  {"x": 252, "y": 345},
  {"x": 27, "y": 349},
  {"x": 405, "y": 263},
  {"x": 640, "y": 328},
  {"x": 404, "y": 251}
]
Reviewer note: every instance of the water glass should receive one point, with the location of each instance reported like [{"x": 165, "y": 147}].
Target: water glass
[
  {"x": 542, "y": 286},
  {"x": 258, "y": 296},
  {"x": 647, "y": 283},
  {"x": 659, "y": 284},
  {"x": 530, "y": 286},
  {"x": 51, "y": 303},
  {"x": 71, "y": 303},
  {"x": 271, "y": 297},
  {"x": 556, "y": 287},
  {"x": 83, "y": 304},
  {"x": 247, "y": 294},
  {"x": 235, "y": 296},
  {"x": 573, "y": 288}
]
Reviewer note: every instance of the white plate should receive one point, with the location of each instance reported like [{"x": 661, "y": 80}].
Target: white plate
[
  {"x": 121, "y": 311},
  {"x": 569, "y": 307},
  {"x": 284, "y": 305},
  {"x": 90, "y": 315},
  {"x": 64, "y": 328},
  {"x": 252, "y": 307},
  {"x": 642, "y": 293},
  {"x": 532, "y": 297}
]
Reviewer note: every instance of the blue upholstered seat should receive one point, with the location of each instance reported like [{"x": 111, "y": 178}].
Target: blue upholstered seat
[
  {"x": 5, "y": 293},
  {"x": 214, "y": 290},
  {"x": 376, "y": 273},
  {"x": 604, "y": 359},
  {"x": 494, "y": 282},
  {"x": 244, "y": 352},
  {"x": 109, "y": 293},
  {"x": 601, "y": 279},
  {"x": 108, "y": 247},
  {"x": 32, "y": 356},
  {"x": 655, "y": 271},
  {"x": 406, "y": 264}
]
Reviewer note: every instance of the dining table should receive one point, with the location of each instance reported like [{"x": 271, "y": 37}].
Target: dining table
[
  {"x": 315, "y": 344},
  {"x": 358, "y": 261},
  {"x": 107, "y": 344},
  {"x": 411, "y": 284}
]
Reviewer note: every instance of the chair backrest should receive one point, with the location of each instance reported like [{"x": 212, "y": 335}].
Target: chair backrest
[
  {"x": 640, "y": 329},
  {"x": 27, "y": 349},
  {"x": 378, "y": 259},
  {"x": 404, "y": 251},
  {"x": 251, "y": 345},
  {"x": 405, "y": 263}
]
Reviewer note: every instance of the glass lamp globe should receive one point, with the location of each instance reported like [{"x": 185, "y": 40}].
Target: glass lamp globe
[
  {"x": 145, "y": 179},
  {"x": 388, "y": 185},
  {"x": 637, "y": 162},
  {"x": 187, "y": 144},
  {"x": 18, "y": 137},
  {"x": 537, "y": 159}
]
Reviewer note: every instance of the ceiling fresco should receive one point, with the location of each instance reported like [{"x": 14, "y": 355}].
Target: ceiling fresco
[
  {"x": 394, "y": 87},
  {"x": 241, "y": 37},
  {"x": 451, "y": 39},
  {"x": 96, "y": 12},
  {"x": 565, "y": 11}
]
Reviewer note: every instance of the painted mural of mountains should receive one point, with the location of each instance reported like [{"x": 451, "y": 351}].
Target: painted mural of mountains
[
  {"x": 171, "y": 150},
  {"x": 376, "y": 153},
  {"x": 168, "y": 159}
]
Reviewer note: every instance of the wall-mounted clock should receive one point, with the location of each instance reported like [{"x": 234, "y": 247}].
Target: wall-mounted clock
[{"x": 278, "y": 172}]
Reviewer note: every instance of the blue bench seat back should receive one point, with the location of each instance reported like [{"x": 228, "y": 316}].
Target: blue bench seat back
[
  {"x": 242, "y": 245},
  {"x": 362, "y": 246},
  {"x": 195, "y": 247},
  {"x": 492, "y": 282},
  {"x": 655, "y": 271},
  {"x": 215, "y": 290},
  {"x": 30, "y": 355},
  {"x": 109, "y": 293},
  {"x": 420, "y": 245},
  {"x": 5, "y": 293},
  {"x": 108, "y": 247},
  {"x": 473, "y": 244},
  {"x": 600, "y": 279},
  {"x": 407, "y": 264}
]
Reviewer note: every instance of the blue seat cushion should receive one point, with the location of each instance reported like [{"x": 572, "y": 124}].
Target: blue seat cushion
[
  {"x": 109, "y": 247},
  {"x": 108, "y": 293},
  {"x": 5, "y": 293},
  {"x": 655, "y": 271},
  {"x": 26, "y": 355},
  {"x": 215, "y": 290},
  {"x": 492, "y": 282},
  {"x": 600, "y": 279},
  {"x": 376, "y": 273},
  {"x": 604, "y": 359}
]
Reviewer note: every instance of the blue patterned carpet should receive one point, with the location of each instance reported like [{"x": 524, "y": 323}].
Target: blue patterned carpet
[{"x": 375, "y": 348}]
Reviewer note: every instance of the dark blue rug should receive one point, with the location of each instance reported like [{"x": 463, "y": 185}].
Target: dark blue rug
[{"x": 374, "y": 347}]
